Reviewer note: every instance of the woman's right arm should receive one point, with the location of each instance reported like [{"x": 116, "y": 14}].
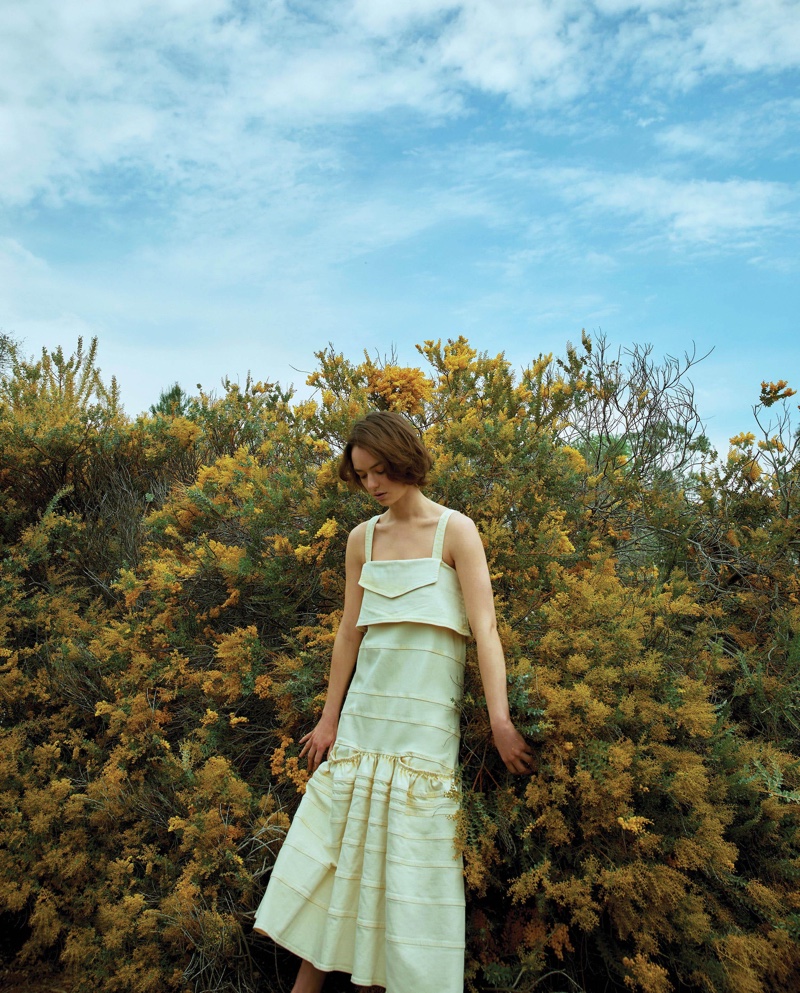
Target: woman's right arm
[{"x": 345, "y": 650}]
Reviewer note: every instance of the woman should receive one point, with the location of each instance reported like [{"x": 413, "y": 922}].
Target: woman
[{"x": 368, "y": 881}]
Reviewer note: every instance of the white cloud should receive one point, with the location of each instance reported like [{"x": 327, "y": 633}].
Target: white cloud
[
  {"x": 391, "y": 17},
  {"x": 749, "y": 35},
  {"x": 702, "y": 138},
  {"x": 25, "y": 279},
  {"x": 692, "y": 211},
  {"x": 520, "y": 49},
  {"x": 680, "y": 45},
  {"x": 177, "y": 89},
  {"x": 618, "y": 8},
  {"x": 736, "y": 135}
]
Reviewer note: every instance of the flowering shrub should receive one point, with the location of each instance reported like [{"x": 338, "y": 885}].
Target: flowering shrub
[{"x": 171, "y": 587}]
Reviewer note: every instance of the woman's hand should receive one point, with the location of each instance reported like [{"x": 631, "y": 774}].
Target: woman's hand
[
  {"x": 513, "y": 748},
  {"x": 317, "y": 742}
]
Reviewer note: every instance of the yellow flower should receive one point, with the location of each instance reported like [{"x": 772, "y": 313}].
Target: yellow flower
[
  {"x": 773, "y": 392},
  {"x": 185, "y": 431},
  {"x": 306, "y": 410},
  {"x": 576, "y": 461},
  {"x": 328, "y": 529},
  {"x": 636, "y": 825},
  {"x": 404, "y": 389}
]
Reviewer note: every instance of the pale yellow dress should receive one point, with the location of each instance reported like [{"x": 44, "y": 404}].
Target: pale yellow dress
[{"x": 368, "y": 881}]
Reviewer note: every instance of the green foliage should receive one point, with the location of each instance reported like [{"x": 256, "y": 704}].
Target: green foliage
[{"x": 171, "y": 588}]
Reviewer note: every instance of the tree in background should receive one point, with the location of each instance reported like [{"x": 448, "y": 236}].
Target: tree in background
[
  {"x": 7, "y": 342},
  {"x": 171, "y": 590}
]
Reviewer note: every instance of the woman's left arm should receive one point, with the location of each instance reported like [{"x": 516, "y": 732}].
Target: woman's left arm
[{"x": 464, "y": 543}]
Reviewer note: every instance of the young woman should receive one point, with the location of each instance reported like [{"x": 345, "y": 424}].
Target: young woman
[{"x": 368, "y": 881}]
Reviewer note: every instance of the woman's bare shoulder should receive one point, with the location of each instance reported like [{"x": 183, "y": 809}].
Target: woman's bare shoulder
[
  {"x": 356, "y": 542},
  {"x": 459, "y": 525},
  {"x": 358, "y": 531},
  {"x": 462, "y": 541}
]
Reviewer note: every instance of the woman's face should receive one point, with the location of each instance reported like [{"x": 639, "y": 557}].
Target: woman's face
[{"x": 372, "y": 473}]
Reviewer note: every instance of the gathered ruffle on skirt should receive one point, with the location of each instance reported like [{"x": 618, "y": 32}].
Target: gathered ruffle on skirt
[{"x": 368, "y": 881}]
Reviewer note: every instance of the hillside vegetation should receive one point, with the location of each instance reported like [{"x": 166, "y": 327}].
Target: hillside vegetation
[{"x": 170, "y": 587}]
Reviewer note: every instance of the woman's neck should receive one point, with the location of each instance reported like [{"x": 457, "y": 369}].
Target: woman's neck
[{"x": 412, "y": 505}]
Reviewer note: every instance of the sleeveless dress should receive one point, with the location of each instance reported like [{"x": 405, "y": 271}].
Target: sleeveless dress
[{"x": 368, "y": 881}]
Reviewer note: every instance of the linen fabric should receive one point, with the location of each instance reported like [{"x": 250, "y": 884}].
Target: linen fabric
[{"x": 368, "y": 881}]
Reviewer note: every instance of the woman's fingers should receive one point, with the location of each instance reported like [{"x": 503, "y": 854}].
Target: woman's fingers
[
  {"x": 520, "y": 759},
  {"x": 514, "y": 750},
  {"x": 315, "y": 752},
  {"x": 310, "y": 749},
  {"x": 520, "y": 767},
  {"x": 320, "y": 757}
]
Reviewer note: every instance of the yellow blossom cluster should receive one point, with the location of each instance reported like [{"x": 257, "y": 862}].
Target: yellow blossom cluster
[{"x": 402, "y": 389}]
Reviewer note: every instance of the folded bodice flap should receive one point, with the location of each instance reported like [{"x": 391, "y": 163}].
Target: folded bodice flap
[
  {"x": 396, "y": 578},
  {"x": 422, "y": 591}
]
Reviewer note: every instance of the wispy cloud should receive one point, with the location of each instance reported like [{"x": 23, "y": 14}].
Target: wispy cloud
[
  {"x": 737, "y": 134},
  {"x": 748, "y": 36},
  {"x": 178, "y": 87},
  {"x": 699, "y": 211}
]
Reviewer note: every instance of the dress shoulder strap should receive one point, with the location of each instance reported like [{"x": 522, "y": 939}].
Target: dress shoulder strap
[
  {"x": 368, "y": 537},
  {"x": 438, "y": 541}
]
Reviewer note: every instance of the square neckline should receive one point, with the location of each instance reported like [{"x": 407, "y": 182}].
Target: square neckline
[{"x": 438, "y": 543}]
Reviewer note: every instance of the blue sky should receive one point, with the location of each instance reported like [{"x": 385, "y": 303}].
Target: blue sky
[{"x": 215, "y": 187}]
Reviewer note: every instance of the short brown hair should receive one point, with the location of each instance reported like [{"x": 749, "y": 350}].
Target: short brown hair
[{"x": 395, "y": 441}]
